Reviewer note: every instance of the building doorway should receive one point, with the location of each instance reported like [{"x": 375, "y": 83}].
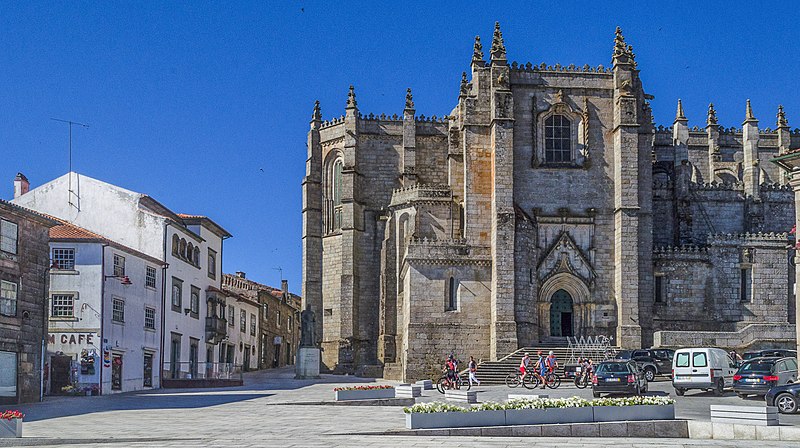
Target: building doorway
[
  {"x": 175, "y": 356},
  {"x": 116, "y": 372},
  {"x": 60, "y": 373},
  {"x": 561, "y": 314}
]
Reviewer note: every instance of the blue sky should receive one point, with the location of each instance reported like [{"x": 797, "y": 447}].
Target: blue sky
[{"x": 188, "y": 102}]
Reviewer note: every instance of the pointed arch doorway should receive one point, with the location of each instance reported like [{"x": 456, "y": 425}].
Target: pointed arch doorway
[{"x": 561, "y": 314}]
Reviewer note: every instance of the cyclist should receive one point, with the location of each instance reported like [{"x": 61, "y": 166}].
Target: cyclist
[
  {"x": 523, "y": 365},
  {"x": 552, "y": 362},
  {"x": 540, "y": 367},
  {"x": 450, "y": 371}
]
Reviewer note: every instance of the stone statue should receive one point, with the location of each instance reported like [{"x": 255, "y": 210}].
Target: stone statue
[{"x": 307, "y": 328}]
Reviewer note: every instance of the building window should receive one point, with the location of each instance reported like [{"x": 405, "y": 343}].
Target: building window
[
  {"x": 177, "y": 292},
  {"x": 148, "y": 370},
  {"x": 118, "y": 310},
  {"x": 452, "y": 295},
  {"x": 231, "y": 315},
  {"x": 278, "y": 318},
  {"x": 333, "y": 203},
  {"x": 659, "y": 289},
  {"x": 265, "y": 310},
  {"x": 64, "y": 259},
  {"x": 150, "y": 277},
  {"x": 63, "y": 305},
  {"x": 243, "y": 321},
  {"x": 182, "y": 249},
  {"x": 8, "y": 236},
  {"x": 252, "y": 324},
  {"x": 194, "y": 303},
  {"x": 176, "y": 244},
  {"x": 119, "y": 265},
  {"x": 212, "y": 263},
  {"x": 746, "y": 290},
  {"x": 150, "y": 318},
  {"x": 196, "y": 256},
  {"x": 8, "y": 298},
  {"x": 557, "y": 139}
]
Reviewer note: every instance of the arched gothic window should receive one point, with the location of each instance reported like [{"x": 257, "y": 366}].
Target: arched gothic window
[
  {"x": 557, "y": 139},
  {"x": 452, "y": 295},
  {"x": 332, "y": 215},
  {"x": 189, "y": 252},
  {"x": 182, "y": 249},
  {"x": 175, "y": 244},
  {"x": 337, "y": 194},
  {"x": 196, "y": 256}
]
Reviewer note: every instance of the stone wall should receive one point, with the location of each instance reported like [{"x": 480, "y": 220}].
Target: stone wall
[{"x": 28, "y": 269}]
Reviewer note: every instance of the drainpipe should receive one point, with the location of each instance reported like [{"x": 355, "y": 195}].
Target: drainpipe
[
  {"x": 45, "y": 328},
  {"x": 164, "y": 268},
  {"x": 102, "y": 311}
]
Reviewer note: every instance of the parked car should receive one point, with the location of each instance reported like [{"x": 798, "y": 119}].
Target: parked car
[
  {"x": 705, "y": 368},
  {"x": 757, "y": 376},
  {"x": 618, "y": 377},
  {"x": 779, "y": 352},
  {"x": 786, "y": 398},
  {"x": 652, "y": 361}
]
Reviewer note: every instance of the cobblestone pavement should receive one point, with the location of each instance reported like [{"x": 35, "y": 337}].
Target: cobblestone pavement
[{"x": 261, "y": 414}]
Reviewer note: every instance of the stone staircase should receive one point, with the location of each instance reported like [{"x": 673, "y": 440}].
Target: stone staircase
[{"x": 495, "y": 372}]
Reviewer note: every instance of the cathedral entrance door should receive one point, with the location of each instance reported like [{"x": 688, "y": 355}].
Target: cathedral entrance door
[{"x": 561, "y": 314}]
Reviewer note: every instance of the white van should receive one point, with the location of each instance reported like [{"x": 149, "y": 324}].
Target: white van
[{"x": 702, "y": 368}]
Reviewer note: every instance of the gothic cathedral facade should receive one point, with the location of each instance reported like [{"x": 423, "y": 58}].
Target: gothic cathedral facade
[{"x": 546, "y": 204}]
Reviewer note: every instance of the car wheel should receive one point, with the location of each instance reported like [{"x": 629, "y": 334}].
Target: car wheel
[
  {"x": 649, "y": 374},
  {"x": 680, "y": 392},
  {"x": 596, "y": 394},
  {"x": 720, "y": 389},
  {"x": 786, "y": 403}
]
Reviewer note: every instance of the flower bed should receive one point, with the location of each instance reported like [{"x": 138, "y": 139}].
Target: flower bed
[
  {"x": 363, "y": 393},
  {"x": 539, "y": 411},
  {"x": 11, "y": 424}
]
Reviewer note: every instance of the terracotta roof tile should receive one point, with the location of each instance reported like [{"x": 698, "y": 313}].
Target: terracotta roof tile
[{"x": 70, "y": 232}]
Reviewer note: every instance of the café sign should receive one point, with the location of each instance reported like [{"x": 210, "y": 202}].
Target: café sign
[{"x": 72, "y": 338}]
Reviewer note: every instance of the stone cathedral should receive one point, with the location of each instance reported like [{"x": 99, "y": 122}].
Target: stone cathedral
[{"x": 546, "y": 204}]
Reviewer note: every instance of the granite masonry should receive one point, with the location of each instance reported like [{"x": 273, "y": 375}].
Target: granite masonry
[{"x": 545, "y": 204}]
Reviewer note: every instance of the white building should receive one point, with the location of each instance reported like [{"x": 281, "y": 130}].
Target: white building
[
  {"x": 240, "y": 347},
  {"x": 104, "y": 314},
  {"x": 190, "y": 245}
]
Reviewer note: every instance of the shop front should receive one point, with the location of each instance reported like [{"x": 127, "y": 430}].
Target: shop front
[{"x": 73, "y": 363}]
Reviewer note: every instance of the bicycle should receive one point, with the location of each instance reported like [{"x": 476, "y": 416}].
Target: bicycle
[
  {"x": 583, "y": 379},
  {"x": 444, "y": 383},
  {"x": 550, "y": 380}
]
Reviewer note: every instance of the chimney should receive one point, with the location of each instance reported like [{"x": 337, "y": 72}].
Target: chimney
[
  {"x": 285, "y": 286},
  {"x": 21, "y": 185},
  {"x": 240, "y": 274}
]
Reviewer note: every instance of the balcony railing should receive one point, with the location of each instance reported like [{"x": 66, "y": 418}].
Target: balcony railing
[
  {"x": 216, "y": 329},
  {"x": 202, "y": 371}
]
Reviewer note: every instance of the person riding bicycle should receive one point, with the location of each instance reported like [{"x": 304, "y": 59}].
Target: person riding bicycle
[
  {"x": 523, "y": 365},
  {"x": 551, "y": 362},
  {"x": 450, "y": 369}
]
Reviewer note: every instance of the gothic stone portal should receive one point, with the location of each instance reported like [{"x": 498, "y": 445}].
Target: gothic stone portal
[{"x": 561, "y": 314}]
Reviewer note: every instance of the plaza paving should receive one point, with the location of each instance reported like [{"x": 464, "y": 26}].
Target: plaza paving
[{"x": 264, "y": 412}]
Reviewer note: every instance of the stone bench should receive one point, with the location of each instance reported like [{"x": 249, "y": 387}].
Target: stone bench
[
  {"x": 745, "y": 415},
  {"x": 526, "y": 396},
  {"x": 461, "y": 395},
  {"x": 408, "y": 391},
  {"x": 426, "y": 384}
]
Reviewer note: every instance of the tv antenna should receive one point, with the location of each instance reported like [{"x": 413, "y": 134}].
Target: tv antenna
[
  {"x": 70, "y": 123},
  {"x": 280, "y": 270}
]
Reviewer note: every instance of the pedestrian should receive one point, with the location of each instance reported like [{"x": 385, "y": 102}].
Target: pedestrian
[{"x": 473, "y": 368}]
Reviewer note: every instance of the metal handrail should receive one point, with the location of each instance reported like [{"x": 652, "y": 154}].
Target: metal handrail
[{"x": 188, "y": 370}]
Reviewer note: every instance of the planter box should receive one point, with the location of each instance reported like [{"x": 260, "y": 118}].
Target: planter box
[
  {"x": 550, "y": 415},
  {"x": 455, "y": 419},
  {"x": 526, "y": 396},
  {"x": 371, "y": 394},
  {"x": 633, "y": 413},
  {"x": 10, "y": 428},
  {"x": 468, "y": 396},
  {"x": 426, "y": 384}
]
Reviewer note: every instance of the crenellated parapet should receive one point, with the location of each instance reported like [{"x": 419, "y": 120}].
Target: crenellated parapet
[
  {"x": 747, "y": 237},
  {"x": 686, "y": 253},
  {"x": 572, "y": 68},
  {"x": 716, "y": 186},
  {"x": 421, "y": 193},
  {"x": 447, "y": 252}
]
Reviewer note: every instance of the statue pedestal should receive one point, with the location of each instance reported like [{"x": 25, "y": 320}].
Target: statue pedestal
[{"x": 307, "y": 366}]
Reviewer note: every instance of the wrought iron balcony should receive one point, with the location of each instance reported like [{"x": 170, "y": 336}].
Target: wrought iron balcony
[{"x": 216, "y": 329}]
